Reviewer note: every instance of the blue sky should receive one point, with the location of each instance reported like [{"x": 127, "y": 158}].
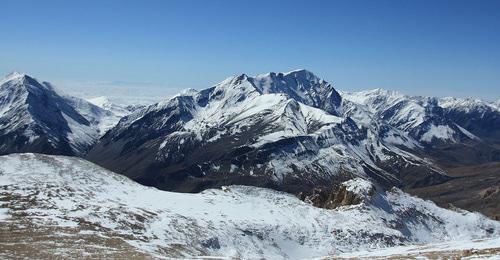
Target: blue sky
[{"x": 441, "y": 48}]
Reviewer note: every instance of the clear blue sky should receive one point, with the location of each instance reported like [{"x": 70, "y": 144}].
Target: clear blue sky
[{"x": 420, "y": 47}]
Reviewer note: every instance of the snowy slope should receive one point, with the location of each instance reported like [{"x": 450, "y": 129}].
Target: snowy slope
[
  {"x": 101, "y": 119},
  {"x": 93, "y": 211},
  {"x": 106, "y": 104}
]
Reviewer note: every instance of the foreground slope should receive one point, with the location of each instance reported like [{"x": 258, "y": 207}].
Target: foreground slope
[
  {"x": 68, "y": 207},
  {"x": 474, "y": 249}
]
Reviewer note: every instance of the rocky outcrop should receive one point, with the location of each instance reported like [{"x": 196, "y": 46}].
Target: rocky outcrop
[{"x": 351, "y": 192}]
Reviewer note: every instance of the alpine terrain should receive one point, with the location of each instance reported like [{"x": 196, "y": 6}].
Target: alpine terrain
[{"x": 274, "y": 166}]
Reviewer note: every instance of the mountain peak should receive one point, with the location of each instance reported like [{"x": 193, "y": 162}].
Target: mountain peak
[
  {"x": 38, "y": 119},
  {"x": 303, "y": 74},
  {"x": 15, "y": 75},
  {"x": 301, "y": 85},
  {"x": 21, "y": 80}
]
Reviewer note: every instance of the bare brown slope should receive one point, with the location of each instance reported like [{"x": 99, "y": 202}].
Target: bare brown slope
[{"x": 474, "y": 188}]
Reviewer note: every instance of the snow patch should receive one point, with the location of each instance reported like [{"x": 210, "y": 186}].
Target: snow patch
[
  {"x": 441, "y": 132},
  {"x": 359, "y": 186}
]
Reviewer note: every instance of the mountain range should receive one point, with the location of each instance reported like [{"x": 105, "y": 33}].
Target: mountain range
[
  {"x": 278, "y": 165},
  {"x": 291, "y": 132},
  {"x": 296, "y": 133}
]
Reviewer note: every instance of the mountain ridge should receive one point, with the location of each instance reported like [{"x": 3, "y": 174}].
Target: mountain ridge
[{"x": 258, "y": 120}]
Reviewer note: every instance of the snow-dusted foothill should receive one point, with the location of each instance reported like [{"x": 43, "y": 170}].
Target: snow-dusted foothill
[{"x": 85, "y": 205}]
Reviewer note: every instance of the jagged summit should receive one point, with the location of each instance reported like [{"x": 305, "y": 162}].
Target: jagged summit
[
  {"x": 14, "y": 74},
  {"x": 304, "y": 74},
  {"x": 275, "y": 129},
  {"x": 24, "y": 81},
  {"x": 36, "y": 118},
  {"x": 298, "y": 74},
  {"x": 20, "y": 77},
  {"x": 300, "y": 85}
]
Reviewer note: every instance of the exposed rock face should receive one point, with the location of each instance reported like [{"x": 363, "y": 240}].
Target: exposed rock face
[
  {"x": 345, "y": 197},
  {"x": 348, "y": 193}
]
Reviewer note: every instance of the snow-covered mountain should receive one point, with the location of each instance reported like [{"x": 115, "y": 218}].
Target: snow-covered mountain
[
  {"x": 423, "y": 118},
  {"x": 113, "y": 112},
  {"x": 445, "y": 127},
  {"x": 70, "y": 208},
  {"x": 118, "y": 110},
  {"x": 287, "y": 131},
  {"x": 479, "y": 117},
  {"x": 34, "y": 117}
]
